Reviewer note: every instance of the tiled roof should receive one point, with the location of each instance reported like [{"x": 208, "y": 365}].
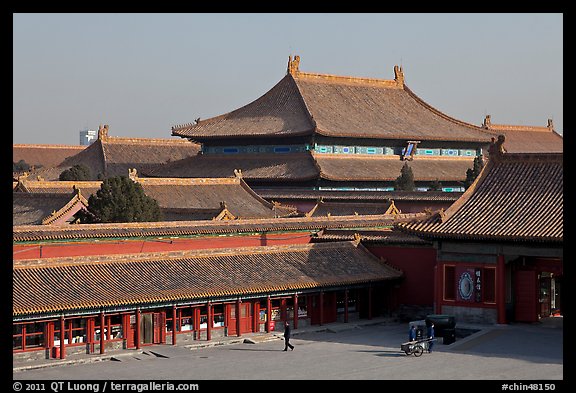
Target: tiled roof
[
  {"x": 45, "y": 208},
  {"x": 270, "y": 167},
  {"x": 330, "y": 195},
  {"x": 372, "y": 108},
  {"x": 280, "y": 112},
  {"x": 302, "y": 103},
  {"x": 45, "y": 155},
  {"x": 323, "y": 208},
  {"x": 143, "y": 154},
  {"x": 180, "y": 198},
  {"x": 27, "y": 233},
  {"x": 113, "y": 156},
  {"x": 87, "y": 188},
  {"x": 517, "y": 197},
  {"x": 368, "y": 168},
  {"x": 527, "y": 139},
  {"x": 80, "y": 283},
  {"x": 204, "y": 195}
]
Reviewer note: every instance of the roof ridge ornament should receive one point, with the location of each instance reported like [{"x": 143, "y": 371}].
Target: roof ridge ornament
[
  {"x": 133, "y": 174},
  {"x": 399, "y": 75},
  {"x": 496, "y": 148},
  {"x": 293, "y": 65},
  {"x": 103, "y": 132}
]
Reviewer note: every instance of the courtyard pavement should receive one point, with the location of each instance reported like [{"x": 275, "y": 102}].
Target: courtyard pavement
[{"x": 360, "y": 350}]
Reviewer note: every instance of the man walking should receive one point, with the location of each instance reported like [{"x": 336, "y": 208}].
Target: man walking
[
  {"x": 412, "y": 333},
  {"x": 287, "y": 337},
  {"x": 431, "y": 337}
]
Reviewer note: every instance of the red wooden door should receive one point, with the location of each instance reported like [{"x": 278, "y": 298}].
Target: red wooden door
[
  {"x": 525, "y": 296},
  {"x": 159, "y": 323},
  {"x": 130, "y": 333},
  {"x": 246, "y": 318},
  {"x": 90, "y": 328},
  {"x": 545, "y": 297},
  {"x": 231, "y": 312}
]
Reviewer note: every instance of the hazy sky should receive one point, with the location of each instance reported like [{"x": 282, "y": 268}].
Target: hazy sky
[{"x": 143, "y": 73}]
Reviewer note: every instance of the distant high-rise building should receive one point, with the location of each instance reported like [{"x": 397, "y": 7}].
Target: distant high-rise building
[{"x": 88, "y": 136}]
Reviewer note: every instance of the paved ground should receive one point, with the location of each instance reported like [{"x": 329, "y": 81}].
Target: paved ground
[{"x": 339, "y": 352}]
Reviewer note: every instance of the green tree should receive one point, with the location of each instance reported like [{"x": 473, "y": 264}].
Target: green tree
[
  {"x": 472, "y": 173},
  {"x": 20, "y": 166},
  {"x": 435, "y": 186},
  {"x": 120, "y": 199},
  {"x": 405, "y": 182},
  {"x": 77, "y": 172}
]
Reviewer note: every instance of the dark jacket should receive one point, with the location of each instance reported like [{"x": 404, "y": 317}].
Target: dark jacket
[{"x": 287, "y": 331}]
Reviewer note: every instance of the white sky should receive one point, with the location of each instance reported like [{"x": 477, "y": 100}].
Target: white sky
[{"x": 144, "y": 73}]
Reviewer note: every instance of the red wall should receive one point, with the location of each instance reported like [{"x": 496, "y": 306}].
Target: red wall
[
  {"x": 417, "y": 263},
  {"x": 103, "y": 247}
]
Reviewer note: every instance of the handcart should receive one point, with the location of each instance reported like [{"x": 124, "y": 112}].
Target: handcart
[{"x": 416, "y": 347}]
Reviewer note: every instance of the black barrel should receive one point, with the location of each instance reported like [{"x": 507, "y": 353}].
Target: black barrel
[
  {"x": 441, "y": 322},
  {"x": 448, "y": 336}
]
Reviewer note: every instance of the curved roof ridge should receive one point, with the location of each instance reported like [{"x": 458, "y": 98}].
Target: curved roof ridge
[
  {"x": 77, "y": 198},
  {"x": 253, "y": 193},
  {"x": 387, "y": 83},
  {"x": 187, "y": 180},
  {"x": 48, "y": 146},
  {"x": 276, "y": 94},
  {"x": 164, "y": 141},
  {"x": 468, "y": 193},
  {"x": 517, "y": 127},
  {"x": 442, "y": 114},
  {"x": 32, "y": 184}
]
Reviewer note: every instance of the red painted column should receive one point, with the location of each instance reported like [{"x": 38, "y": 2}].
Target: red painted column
[
  {"x": 256, "y": 317},
  {"x": 321, "y": 307},
  {"x": 501, "y": 289},
  {"x": 102, "y": 332},
  {"x": 62, "y": 337},
  {"x": 295, "y": 316},
  {"x": 174, "y": 324},
  {"x": 346, "y": 305},
  {"x": 125, "y": 325},
  {"x": 138, "y": 328},
  {"x": 47, "y": 342},
  {"x": 283, "y": 314},
  {"x": 268, "y": 314},
  {"x": 209, "y": 322},
  {"x": 238, "y": 324},
  {"x": 196, "y": 322}
]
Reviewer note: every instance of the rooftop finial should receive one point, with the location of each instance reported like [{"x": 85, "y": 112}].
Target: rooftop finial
[
  {"x": 550, "y": 124},
  {"x": 487, "y": 121},
  {"x": 132, "y": 174},
  {"x": 103, "y": 132},
  {"x": 496, "y": 147},
  {"x": 398, "y": 75},
  {"x": 293, "y": 65}
]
